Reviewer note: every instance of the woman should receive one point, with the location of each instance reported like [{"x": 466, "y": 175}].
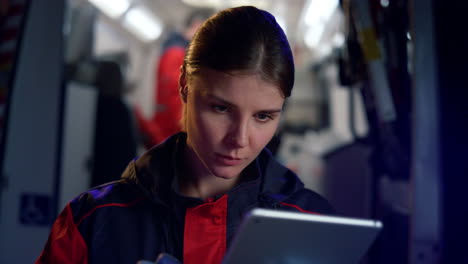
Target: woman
[{"x": 186, "y": 197}]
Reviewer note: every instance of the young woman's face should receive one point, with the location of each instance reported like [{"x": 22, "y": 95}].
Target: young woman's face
[{"x": 230, "y": 119}]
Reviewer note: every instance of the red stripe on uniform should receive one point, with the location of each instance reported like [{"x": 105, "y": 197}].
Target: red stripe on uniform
[
  {"x": 298, "y": 208},
  {"x": 107, "y": 205}
]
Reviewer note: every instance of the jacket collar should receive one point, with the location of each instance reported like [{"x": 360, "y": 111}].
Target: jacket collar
[{"x": 156, "y": 170}]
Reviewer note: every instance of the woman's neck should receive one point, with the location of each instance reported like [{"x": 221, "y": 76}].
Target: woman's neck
[{"x": 197, "y": 181}]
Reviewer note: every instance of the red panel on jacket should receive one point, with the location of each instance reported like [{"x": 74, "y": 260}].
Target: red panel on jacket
[
  {"x": 205, "y": 232},
  {"x": 65, "y": 243}
]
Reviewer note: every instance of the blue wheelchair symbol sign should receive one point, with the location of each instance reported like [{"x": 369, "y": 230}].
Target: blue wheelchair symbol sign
[{"x": 35, "y": 209}]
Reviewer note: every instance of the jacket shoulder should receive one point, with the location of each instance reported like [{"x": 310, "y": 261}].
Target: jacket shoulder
[{"x": 115, "y": 194}]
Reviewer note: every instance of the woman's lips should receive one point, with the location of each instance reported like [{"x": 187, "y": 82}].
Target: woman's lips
[{"x": 227, "y": 160}]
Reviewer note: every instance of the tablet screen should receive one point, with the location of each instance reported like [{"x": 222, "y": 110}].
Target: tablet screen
[{"x": 270, "y": 236}]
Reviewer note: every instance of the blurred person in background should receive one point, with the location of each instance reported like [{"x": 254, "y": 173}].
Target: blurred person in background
[
  {"x": 167, "y": 105},
  {"x": 115, "y": 140},
  {"x": 186, "y": 197}
]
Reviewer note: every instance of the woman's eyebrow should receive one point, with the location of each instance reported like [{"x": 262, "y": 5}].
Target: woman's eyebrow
[
  {"x": 221, "y": 100},
  {"x": 227, "y": 103},
  {"x": 271, "y": 111}
]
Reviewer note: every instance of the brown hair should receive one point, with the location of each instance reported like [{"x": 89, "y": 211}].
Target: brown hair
[{"x": 243, "y": 39}]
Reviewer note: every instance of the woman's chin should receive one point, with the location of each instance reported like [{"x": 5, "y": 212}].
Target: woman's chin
[{"x": 226, "y": 173}]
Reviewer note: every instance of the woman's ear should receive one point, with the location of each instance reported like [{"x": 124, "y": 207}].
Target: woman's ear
[{"x": 183, "y": 85}]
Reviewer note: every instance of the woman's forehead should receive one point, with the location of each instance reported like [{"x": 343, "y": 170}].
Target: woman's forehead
[
  {"x": 238, "y": 89},
  {"x": 217, "y": 80}
]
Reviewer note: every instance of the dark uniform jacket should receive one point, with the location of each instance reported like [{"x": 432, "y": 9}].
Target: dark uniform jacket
[{"x": 143, "y": 214}]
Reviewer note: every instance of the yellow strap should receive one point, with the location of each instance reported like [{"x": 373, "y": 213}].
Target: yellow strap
[{"x": 369, "y": 44}]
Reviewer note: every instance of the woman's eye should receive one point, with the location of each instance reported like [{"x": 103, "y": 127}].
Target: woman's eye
[
  {"x": 220, "y": 108},
  {"x": 264, "y": 117}
]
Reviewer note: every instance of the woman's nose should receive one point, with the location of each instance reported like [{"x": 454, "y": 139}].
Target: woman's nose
[{"x": 238, "y": 135}]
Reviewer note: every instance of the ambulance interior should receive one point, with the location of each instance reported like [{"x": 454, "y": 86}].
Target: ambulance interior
[{"x": 368, "y": 125}]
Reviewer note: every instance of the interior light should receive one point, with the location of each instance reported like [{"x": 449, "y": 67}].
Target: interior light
[
  {"x": 319, "y": 11},
  {"x": 226, "y": 3},
  {"x": 384, "y": 3},
  {"x": 317, "y": 14},
  {"x": 114, "y": 8},
  {"x": 257, "y": 3},
  {"x": 143, "y": 24},
  {"x": 313, "y": 35},
  {"x": 203, "y": 3},
  {"x": 338, "y": 39}
]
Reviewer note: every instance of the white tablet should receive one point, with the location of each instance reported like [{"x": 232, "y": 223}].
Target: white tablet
[{"x": 273, "y": 237}]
